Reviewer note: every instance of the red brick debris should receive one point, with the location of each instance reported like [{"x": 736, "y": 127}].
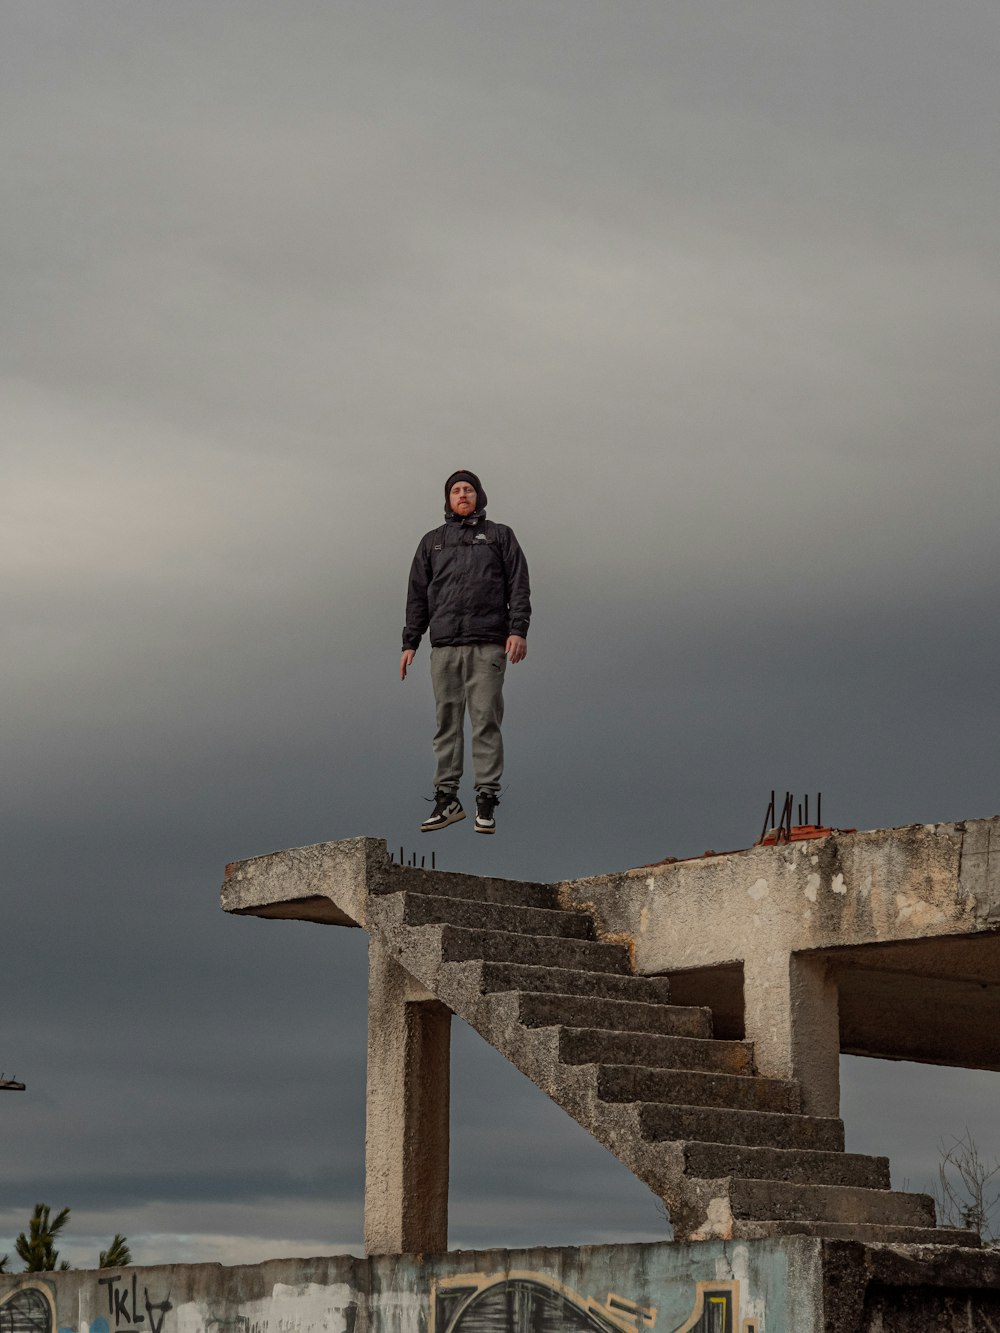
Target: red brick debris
[{"x": 773, "y": 836}]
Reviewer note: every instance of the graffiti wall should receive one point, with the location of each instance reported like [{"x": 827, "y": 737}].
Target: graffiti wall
[
  {"x": 707, "y": 1288},
  {"x": 791, "y": 1285},
  {"x": 533, "y": 1303}
]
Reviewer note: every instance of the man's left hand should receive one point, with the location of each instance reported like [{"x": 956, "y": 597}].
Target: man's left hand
[{"x": 517, "y": 648}]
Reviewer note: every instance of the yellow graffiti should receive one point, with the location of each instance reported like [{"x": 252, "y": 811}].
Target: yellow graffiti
[
  {"x": 631, "y": 1313},
  {"x": 714, "y": 1299},
  {"x": 624, "y": 1314},
  {"x": 715, "y": 1309}
]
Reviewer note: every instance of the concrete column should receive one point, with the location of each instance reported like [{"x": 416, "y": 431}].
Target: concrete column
[
  {"x": 791, "y": 1015},
  {"x": 406, "y": 1131}
]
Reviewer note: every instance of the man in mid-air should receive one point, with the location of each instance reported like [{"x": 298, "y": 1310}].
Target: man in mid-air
[{"x": 469, "y": 586}]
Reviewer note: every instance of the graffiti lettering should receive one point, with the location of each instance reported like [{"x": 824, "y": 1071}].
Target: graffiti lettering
[
  {"x": 28, "y": 1311},
  {"x": 160, "y": 1308},
  {"x": 121, "y": 1307},
  {"x": 124, "y": 1316},
  {"x": 118, "y": 1300},
  {"x": 526, "y": 1302}
]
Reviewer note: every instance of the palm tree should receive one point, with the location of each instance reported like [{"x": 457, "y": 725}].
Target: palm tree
[
  {"x": 37, "y": 1248},
  {"x": 117, "y": 1255}
]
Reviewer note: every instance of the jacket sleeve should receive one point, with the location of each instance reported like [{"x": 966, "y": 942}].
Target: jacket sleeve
[
  {"x": 517, "y": 586},
  {"x": 417, "y": 609}
]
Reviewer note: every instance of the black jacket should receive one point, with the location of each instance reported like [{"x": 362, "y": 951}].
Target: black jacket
[{"x": 468, "y": 584}]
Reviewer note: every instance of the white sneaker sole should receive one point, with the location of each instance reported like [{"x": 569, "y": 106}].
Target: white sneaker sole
[
  {"x": 428, "y": 827},
  {"x": 485, "y": 828}
]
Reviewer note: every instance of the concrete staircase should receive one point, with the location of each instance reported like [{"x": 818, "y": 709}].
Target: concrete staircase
[{"x": 730, "y": 1153}]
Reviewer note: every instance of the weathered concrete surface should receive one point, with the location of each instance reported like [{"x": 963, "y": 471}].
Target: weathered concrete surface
[
  {"x": 895, "y": 1289},
  {"x": 796, "y": 1285},
  {"x": 840, "y": 942},
  {"x": 407, "y": 1113},
  {"x": 327, "y": 882},
  {"x": 740, "y": 1139}
]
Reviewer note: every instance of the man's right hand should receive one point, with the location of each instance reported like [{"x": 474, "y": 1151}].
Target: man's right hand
[{"x": 406, "y": 662}]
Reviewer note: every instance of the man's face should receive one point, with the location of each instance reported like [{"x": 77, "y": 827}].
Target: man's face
[{"x": 462, "y": 498}]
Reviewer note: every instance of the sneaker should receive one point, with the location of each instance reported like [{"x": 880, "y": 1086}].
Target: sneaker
[
  {"x": 447, "y": 810},
  {"x": 486, "y": 803}
]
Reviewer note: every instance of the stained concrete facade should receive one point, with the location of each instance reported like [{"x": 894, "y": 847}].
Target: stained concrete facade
[
  {"x": 689, "y": 1015},
  {"x": 882, "y": 943},
  {"x": 797, "y": 1285},
  {"x": 407, "y": 1111}
]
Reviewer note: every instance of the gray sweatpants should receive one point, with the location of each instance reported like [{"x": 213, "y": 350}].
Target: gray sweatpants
[{"x": 468, "y": 677}]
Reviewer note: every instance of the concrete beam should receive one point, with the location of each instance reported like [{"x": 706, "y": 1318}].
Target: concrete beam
[
  {"x": 407, "y": 1114},
  {"x": 846, "y": 890}
]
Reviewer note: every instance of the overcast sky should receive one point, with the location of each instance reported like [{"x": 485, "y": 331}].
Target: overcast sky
[{"x": 706, "y": 292}]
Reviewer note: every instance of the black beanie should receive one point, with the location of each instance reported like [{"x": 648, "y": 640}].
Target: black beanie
[{"x": 463, "y": 474}]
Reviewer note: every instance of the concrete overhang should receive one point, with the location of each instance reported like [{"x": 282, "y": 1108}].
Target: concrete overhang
[
  {"x": 327, "y": 882},
  {"x": 934, "y": 1001}
]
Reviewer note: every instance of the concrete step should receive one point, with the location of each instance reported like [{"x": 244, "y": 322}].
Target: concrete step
[
  {"x": 425, "y": 909},
  {"x": 460, "y": 945},
  {"x": 782, "y": 1173},
  {"x": 868, "y": 1233},
  {"x": 762, "y": 1129},
  {"x": 782, "y": 1200},
  {"x": 710, "y": 1161},
  {"x": 560, "y": 980},
  {"x": 545, "y": 1010},
  {"x": 595, "y": 1046},
  {"x": 449, "y": 884},
  {"x": 688, "y": 1087}
]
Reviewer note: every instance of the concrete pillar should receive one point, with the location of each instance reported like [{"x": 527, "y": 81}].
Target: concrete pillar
[
  {"x": 791, "y": 1016},
  {"x": 406, "y": 1130}
]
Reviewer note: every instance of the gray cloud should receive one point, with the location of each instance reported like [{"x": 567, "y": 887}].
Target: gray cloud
[{"x": 709, "y": 299}]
